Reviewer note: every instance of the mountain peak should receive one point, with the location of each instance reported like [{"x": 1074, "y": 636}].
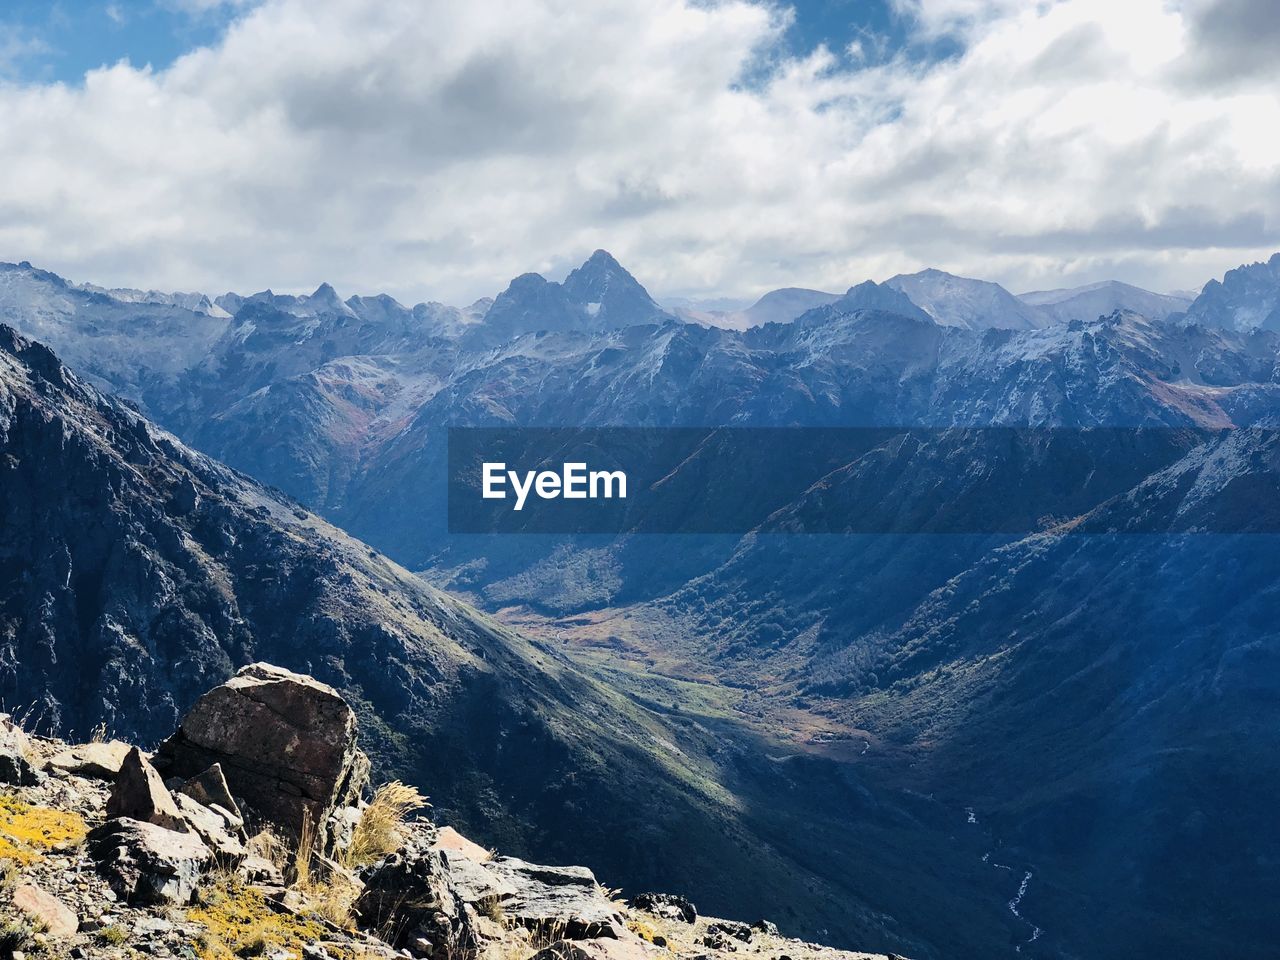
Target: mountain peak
[
  {"x": 956, "y": 301},
  {"x": 870, "y": 295}
]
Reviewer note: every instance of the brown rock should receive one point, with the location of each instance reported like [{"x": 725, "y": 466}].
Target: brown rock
[
  {"x": 258, "y": 870},
  {"x": 285, "y": 742},
  {"x": 48, "y": 912},
  {"x": 139, "y": 793},
  {"x": 456, "y": 845}
]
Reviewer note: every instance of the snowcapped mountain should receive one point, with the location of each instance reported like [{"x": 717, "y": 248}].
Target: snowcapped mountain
[
  {"x": 598, "y": 295},
  {"x": 124, "y": 345},
  {"x": 1099, "y": 299},
  {"x": 1247, "y": 298},
  {"x": 961, "y": 302}
]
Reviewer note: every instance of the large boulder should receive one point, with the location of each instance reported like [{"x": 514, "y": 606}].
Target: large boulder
[
  {"x": 145, "y": 863},
  {"x": 286, "y": 745}
]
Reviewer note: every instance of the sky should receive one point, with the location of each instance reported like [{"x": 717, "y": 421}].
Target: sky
[{"x": 434, "y": 150}]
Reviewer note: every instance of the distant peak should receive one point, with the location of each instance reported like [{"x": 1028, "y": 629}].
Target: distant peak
[
  {"x": 602, "y": 258},
  {"x": 866, "y": 286}
]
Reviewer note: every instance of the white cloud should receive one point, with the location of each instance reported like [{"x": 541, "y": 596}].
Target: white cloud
[{"x": 436, "y": 149}]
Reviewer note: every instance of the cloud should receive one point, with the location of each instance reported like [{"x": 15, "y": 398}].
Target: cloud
[
  {"x": 18, "y": 43},
  {"x": 1232, "y": 42},
  {"x": 437, "y": 149}
]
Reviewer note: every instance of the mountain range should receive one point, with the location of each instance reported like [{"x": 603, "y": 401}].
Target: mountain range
[{"x": 1067, "y": 740}]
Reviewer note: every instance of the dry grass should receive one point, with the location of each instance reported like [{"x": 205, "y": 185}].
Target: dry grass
[
  {"x": 380, "y": 829},
  {"x": 330, "y": 890},
  {"x": 268, "y": 845},
  {"x": 307, "y": 843}
]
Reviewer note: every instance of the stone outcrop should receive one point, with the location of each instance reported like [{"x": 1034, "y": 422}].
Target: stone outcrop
[
  {"x": 285, "y": 744},
  {"x": 145, "y": 863},
  {"x": 599, "y": 948},
  {"x": 210, "y": 788}
]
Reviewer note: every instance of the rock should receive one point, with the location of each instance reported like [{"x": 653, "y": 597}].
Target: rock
[
  {"x": 15, "y": 768},
  {"x": 342, "y": 826},
  {"x": 456, "y": 845},
  {"x": 476, "y": 884},
  {"x": 140, "y": 794},
  {"x": 145, "y": 863},
  {"x": 600, "y": 948},
  {"x": 766, "y": 927},
  {"x": 410, "y": 893},
  {"x": 669, "y": 906},
  {"x": 210, "y": 789},
  {"x": 212, "y": 829},
  {"x": 46, "y": 911},
  {"x": 285, "y": 742},
  {"x": 566, "y": 899},
  {"x": 234, "y": 822},
  {"x": 739, "y": 931},
  {"x": 259, "y": 870},
  {"x": 100, "y": 760}
]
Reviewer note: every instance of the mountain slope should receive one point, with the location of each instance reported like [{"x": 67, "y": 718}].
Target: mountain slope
[
  {"x": 1108, "y": 705},
  {"x": 135, "y": 572}
]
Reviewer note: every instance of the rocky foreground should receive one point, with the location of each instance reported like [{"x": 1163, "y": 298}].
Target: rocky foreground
[{"x": 253, "y": 831}]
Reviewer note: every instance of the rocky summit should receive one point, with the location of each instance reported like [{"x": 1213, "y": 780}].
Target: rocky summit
[{"x": 281, "y": 848}]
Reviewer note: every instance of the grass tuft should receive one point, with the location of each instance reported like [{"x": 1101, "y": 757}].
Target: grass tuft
[{"x": 380, "y": 830}]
